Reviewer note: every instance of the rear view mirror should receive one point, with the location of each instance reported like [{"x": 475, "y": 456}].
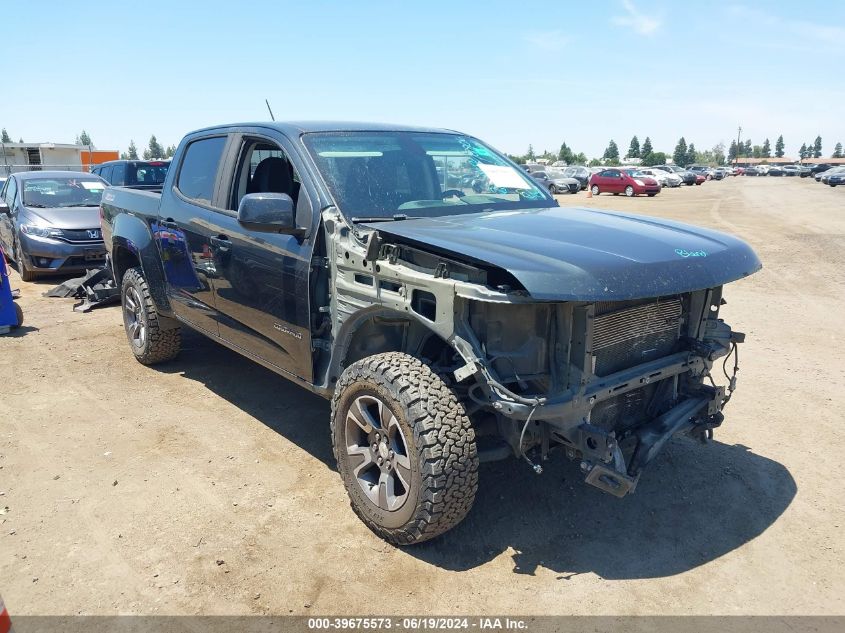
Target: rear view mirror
[{"x": 268, "y": 213}]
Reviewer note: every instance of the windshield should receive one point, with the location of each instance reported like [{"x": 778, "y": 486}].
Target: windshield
[
  {"x": 555, "y": 173},
  {"x": 62, "y": 192},
  {"x": 147, "y": 173},
  {"x": 413, "y": 174}
]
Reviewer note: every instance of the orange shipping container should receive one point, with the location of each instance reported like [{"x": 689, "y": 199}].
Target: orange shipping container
[{"x": 97, "y": 156}]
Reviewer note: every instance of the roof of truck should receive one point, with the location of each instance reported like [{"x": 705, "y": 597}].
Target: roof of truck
[{"x": 295, "y": 128}]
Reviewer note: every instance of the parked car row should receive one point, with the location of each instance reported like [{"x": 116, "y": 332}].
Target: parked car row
[
  {"x": 648, "y": 180},
  {"x": 804, "y": 171}
]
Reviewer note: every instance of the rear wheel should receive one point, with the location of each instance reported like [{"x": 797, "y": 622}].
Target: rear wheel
[
  {"x": 595, "y": 190},
  {"x": 629, "y": 191},
  {"x": 552, "y": 189},
  {"x": 18, "y": 316},
  {"x": 405, "y": 448},
  {"x": 150, "y": 342}
]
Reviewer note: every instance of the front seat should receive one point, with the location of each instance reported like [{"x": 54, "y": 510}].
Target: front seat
[{"x": 272, "y": 175}]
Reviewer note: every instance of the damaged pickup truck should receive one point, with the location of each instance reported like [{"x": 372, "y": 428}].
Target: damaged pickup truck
[{"x": 451, "y": 310}]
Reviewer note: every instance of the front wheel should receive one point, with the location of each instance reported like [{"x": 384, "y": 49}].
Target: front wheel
[
  {"x": 151, "y": 343},
  {"x": 595, "y": 190},
  {"x": 629, "y": 191},
  {"x": 405, "y": 448},
  {"x": 25, "y": 273},
  {"x": 552, "y": 189}
]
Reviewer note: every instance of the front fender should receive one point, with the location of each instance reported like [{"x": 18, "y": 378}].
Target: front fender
[{"x": 133, "y": 244}]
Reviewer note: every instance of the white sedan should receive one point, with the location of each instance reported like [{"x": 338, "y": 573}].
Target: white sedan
[{"x": 663, "y": 177}]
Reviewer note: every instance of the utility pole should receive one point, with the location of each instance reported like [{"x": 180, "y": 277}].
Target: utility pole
[{"x": 738, "y": 136}]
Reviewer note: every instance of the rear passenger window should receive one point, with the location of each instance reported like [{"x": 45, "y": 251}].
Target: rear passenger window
[
  {"x": 117, "y": 178},
  {"x": 199, "y": 168},
  {"x": 105, "y": 174}
]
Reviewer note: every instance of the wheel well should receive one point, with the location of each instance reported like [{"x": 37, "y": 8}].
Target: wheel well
[
  {"x": 381, "y": 333},
  {"x": 122, "y": 260}
]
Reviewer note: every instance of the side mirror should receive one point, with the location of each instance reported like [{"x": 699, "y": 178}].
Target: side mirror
[
  {"x": 268, "y": 213},
  {"x": 4, "y": 209}
]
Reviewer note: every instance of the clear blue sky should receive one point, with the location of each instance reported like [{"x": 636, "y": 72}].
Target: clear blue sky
[{"x": 512, "y": 73}]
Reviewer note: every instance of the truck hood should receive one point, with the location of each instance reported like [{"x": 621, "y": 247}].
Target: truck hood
[
  {"x": 66, "y": 217},
  {"x": 571, "y": 254}
]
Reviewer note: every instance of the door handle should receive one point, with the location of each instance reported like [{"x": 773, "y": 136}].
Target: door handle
[{"x": 169, "y": 223}]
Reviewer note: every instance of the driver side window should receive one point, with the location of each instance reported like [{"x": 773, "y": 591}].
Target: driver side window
[
  {"x": 9, "y": 192},
  {"x": 264, "y": 168}
]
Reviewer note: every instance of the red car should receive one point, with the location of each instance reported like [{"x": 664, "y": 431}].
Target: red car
[
  {"x": 699, "y": 178},
  {"x": 630, "y": 182}
]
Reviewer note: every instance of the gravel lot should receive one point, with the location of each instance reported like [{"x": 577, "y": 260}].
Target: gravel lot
[{"x": 207, "y": 485}]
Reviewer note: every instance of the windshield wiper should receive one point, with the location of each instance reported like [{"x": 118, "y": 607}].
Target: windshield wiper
[
  {"x": 80, "y": 204},
  {"x": 35, "y": 205},
  {"x": 393, "y": 218}
]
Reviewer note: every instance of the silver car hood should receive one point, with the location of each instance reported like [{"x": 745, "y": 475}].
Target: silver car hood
[{"x": 64, "y": 217}]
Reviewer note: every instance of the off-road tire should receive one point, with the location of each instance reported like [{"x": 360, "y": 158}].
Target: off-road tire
[
  {"x": 159, "y": 344},
  {"x": 440, "y": 444}
]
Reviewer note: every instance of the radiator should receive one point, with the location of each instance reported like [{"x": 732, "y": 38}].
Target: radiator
[{"x": 626, "y": 337}]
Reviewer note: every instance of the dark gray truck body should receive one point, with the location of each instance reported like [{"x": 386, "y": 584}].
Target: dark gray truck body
[{"x": 598, "y": 327}]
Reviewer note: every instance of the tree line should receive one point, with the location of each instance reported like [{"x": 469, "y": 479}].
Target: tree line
[{"x": 683, "y": 155}]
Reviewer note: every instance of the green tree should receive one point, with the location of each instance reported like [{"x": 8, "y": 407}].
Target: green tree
[
  {"x": 611, "y": 154},
  {"x": 817, "y": 147},
  {"x": 20, "y": 140},
  {"x": 529, "y": 155},
  {"x": 634, "y": 148},
  {"x": 84, "y": 139},
  {"x": 767, "y": 149},
  {"x": 133, "y": 151},
  {"x": 748, "y": 150},
  {"x": 170, "y": 151},
  {"x": 691, "y": 155},
  {"x": 757, "y": 151},
  {"x": 580, "y": 158},
  {"x": 837, "y": 151},
  {"x": 647, "y": 149},
  {"x": 732, "y": 151},
  {"x": 779, "y": 145},
  {"x": 719, "y": 153},
  {"x": 679, "y": 156},
  {"x": 594, "y": 162},
  {"x": 565, "y": 154},
  {"x": 4, "y": 136},
  {"x": 155, "y": 150},
  {"x": 654, "y": 158},
  {"x": 803, "y": 151}
]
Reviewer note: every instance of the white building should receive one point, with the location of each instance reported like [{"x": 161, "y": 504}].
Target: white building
[{"x": 15, "y": 157}]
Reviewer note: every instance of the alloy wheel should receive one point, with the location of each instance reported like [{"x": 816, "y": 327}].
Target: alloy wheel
[
  {"x": 133, "y": 318},
  {"x": 378, "y": 449}
]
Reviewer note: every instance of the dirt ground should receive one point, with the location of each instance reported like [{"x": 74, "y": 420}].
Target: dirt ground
[{"x": 207, "y": 485}]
